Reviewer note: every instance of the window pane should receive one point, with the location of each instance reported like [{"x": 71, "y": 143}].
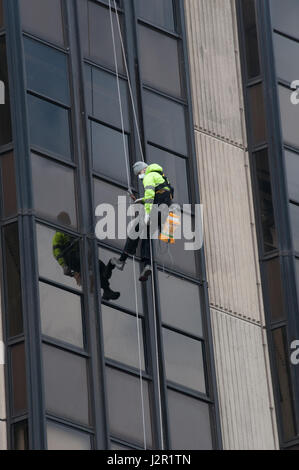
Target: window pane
[
  {"x": 190, "y": 426},
  {"x": 285, "y": 50},
  {"x": 49, "y": 262},
  {"x": 256, "y": 102},
  {"x": 19, "y": 379},
  {"x": 1, "y": 15},
  {"x": 96, "y": 31},
  {"x": 265, "y": 200},
  {"x": 116, "y": 446},
  {"x": 285, "y": 16},
  {"x": 20, "y": 436},
  {"x": 160, "y": 61},
  {"x": 165, "y": 123},
  {"x": 47, "y": 71},
  {"x": 102, "y": 97},
  {"x": 13, "y": 280},
  {"x": 64, "y": 438},
  {"x": 120, "y": 337},
  {"x": 61, "y": 315},
  {"x": 252, "y": 51},
  {"x": 292, "y": 166},
  {"x": 175, "y": 169},
  {"x": 289, "y": 117},
  {"x": 184, "y": 360},
  {"x": 5, "y": 119},
  {"x": 108, "y": 152},
  {"x": 180, "y": 303},
  {"x": 297, "y": 275},
  {"x": 49, "y": 127},
  {"x": 66, "y": 386},
  {"x": 156, "y": 12},
  {"x": 43, "y": 19},
  {"x": 123, "y": 281},
  {"x": 47, "y": 175},
  {"x": 274, "y": 279},
  {"x": 125, "y": 411},
  {"x": 9, "y": 185},
  {"x": 294, "y": 212}
]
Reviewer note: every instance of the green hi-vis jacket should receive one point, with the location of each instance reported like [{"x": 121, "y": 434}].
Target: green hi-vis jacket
[
  {"x": 153, "y": 178},
  {"x": 61, "y": 241}
]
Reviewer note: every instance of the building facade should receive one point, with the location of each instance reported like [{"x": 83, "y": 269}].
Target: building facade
[{"x": 199, "y": 356}]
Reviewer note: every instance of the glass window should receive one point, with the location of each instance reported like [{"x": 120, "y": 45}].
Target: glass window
[
  {"x": 1, "y": 15},
  {"x": 47, "y": 71},
  {"x": 251, "y": 41},
  {"x": 102, "y": 97},
  {"x": 116, "y": 446},
  {"x": 275, "y": 293},
  {"x": 294, "y": 212},
  {"x": 123, "y": 281},
  {"x": 292, "y": 166},
  {"x": 43, "y": 19},
  {"x": 258, "y": 120},
  {"x": 20, "y": 436},
  {"x": 120, "y": 337},
  {"x": 175, "y": 169},
  {"x": 61, "y": 315},
  {"x": 64, "y": 438},
  {"x": 9, "y": 185},
  {"x": 189, "y": 421},
  {"x": 108, "y": 152},
  {"x": 289, "y": 117},
  {"x": 66, "y": 387},
  {"x": 159, "y": 55},
  {"x": 19, "y": 379},
  {"x": 184, "y": 360},
  {"x": 125, "y": 410},
  {"x": 49, "y": 127},
  {"x": 97, "y": 36},
  {"x": 165, "y": 122},
  {"x": 5, "y": 119},
  {"x": 265, "y": 201},
  {"x": 13, "y": 280},
  {"x": 297, "y": 274},
  {"x": 46, "y": 175},
  {"x": 285, "y": 16},
  {"x": 156, "y": 12},
  {"x": 285, "y": 50},
  {"x": 51, "y": 266},
  {"x": 180, "y": 304}
]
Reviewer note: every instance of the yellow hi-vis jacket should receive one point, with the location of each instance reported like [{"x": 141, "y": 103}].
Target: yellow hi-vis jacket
[{"x": 153, "y": 178}]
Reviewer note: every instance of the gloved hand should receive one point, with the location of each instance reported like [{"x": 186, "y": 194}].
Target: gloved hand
[{"x": 146, "y": 219}]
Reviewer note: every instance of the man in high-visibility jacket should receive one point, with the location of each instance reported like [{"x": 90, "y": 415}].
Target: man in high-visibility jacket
[{"x": 157, "y": 191}]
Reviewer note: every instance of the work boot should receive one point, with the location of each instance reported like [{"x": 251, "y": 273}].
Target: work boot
[
  {"x": 118, "y": 263},
  {"x": 145, "y": 273},
  {"x": 109, "y": 294}
]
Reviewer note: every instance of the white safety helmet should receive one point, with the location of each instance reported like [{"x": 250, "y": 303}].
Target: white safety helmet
[{"x": 138, "y": 167}]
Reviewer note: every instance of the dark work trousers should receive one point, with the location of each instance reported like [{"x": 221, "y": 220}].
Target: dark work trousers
[
  {"x": 72, "y": 260},
  {"x": 131, "y": 245}
]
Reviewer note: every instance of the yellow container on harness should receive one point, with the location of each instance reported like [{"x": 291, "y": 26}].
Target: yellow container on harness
[{"x": 169, "y": 227}]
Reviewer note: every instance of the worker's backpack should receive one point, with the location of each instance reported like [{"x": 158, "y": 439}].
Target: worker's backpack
[{"x": 162, "y": 185}]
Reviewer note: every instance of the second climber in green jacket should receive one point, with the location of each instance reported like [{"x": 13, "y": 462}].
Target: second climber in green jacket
[{"x": 157, "y": 191}]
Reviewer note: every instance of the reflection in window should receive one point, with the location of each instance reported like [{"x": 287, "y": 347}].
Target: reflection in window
[
  {"x": 9, "y": 185},
  {"x": 96, "y": 30},
  {"x": 5, "y": 119},
  {"x": 120, "y": 337},
  {"x": 62, "y": 263},
  {"x": 180, "y": 304},
  {"x": 19, "y": 379},
  {"x": 285, "y": 50},
  {"x": 124, "y": 405},
  {"x": 285, "y": 394},
  {"x": 47, "y": 71},
  {"x": 116, "y": 446},
  {"x": 108, "y": 152},
  {"x": 252, "y": 51},
  {"x": 61, "y": 437},
  {"x": 156, "y": 12},
  {"x": 285, "y": 16},
  {"x": 265, "y": 200},
  {"x": 189, "y": 421},
  {"x": 61, "y": 315},
  {"x": 66, "y": 387},
  {"x": 294, "y": 212},
  {"x": 184, "y": 360},
  {"x": 289, "y": 117},
  {"x": 13, "y": 280},
  {"x": 258, "y": 119},
  {"x": 102, "y": 97},
  {"x": 49, "y": 126},
  {"x": 275, "y": 293},
  {"x": 20, "y": 436},
  {"x": 292, "y": 167},
  {"x": 43, "y": 19},
  {"x": 160, "y": 61},
  {"x": 46, "y": 175},
  {"x": 165, "y": 122}
]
